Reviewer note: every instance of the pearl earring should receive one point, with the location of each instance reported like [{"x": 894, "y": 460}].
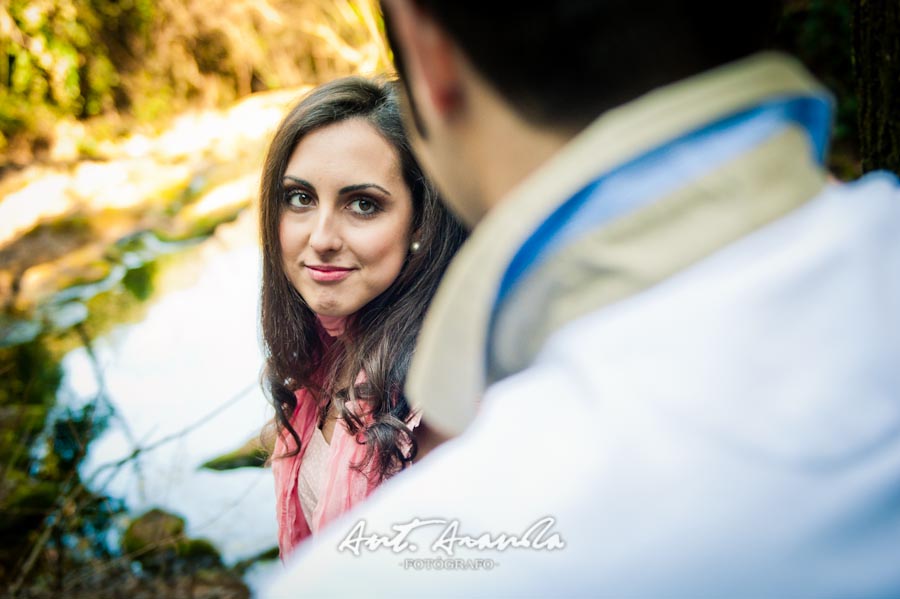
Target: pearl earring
[{"x": 414, "y": 247}]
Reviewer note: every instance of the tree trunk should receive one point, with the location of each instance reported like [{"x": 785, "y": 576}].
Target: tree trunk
[{"x": 876, "y": 59}]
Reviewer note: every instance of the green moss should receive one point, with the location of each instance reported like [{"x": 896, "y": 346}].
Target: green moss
[
  {"x": 29, "y": 375},
  {"x": 200, "y": 552},
  {"x": 250, "y": 455},
  {"x": 32, "y": 497},
  {"x": 139, "y": 281},
  {"x": 18, "y": 424},
  {"x": 268, "y": 555},
  {"x": 154, "y": 531}
]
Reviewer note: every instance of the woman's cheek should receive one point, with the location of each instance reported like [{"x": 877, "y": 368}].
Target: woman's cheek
[
  {"x": 288, "y": 237},
  {"x": 382, "y": 243}
]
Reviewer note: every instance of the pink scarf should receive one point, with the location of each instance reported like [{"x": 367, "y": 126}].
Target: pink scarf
[{"x": 344, "y": 486}]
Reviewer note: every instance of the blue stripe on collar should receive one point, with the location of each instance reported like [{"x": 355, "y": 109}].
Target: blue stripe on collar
[{"x": 663, "y": 169}]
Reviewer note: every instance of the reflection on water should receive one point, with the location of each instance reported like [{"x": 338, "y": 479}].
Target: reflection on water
[
  {"x": 38, "y": 454},
  {"x": 126, "y": 387},
  {"x": 188, "y": 372},
  {"x": 192, "y": 362}
]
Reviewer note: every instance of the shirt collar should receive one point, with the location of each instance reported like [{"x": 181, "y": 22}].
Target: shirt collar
[{"x": 448, "y": 373}]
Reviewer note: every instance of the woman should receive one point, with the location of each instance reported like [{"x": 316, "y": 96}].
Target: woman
[{"x": 354, "y": 242}]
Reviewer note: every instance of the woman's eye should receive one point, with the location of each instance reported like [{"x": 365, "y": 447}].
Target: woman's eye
[
  {"x": 363, "y": 206},
  {"x": 298, "y": 199}
]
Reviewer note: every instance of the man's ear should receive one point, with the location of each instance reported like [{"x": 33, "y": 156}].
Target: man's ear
[{"x": 429, "y": 57}]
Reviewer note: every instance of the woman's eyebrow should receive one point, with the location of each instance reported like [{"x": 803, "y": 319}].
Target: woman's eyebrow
[
  {"x": 361, "y": 186},
  {"x": 302, "y": 182}
]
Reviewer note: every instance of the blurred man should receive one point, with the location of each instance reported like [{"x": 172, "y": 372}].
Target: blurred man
[{"x": 668, "y": 357}]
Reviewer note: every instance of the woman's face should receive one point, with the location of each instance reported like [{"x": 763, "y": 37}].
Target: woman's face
[{"x": 347, "y": 217}]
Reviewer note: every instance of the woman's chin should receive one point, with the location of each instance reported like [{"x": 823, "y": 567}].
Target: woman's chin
[
  {"x": 329, "y": 310},
  {"x": 330, "y": 314}
]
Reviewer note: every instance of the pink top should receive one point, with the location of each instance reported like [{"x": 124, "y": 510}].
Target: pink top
[{"x": 343, "y": 486}]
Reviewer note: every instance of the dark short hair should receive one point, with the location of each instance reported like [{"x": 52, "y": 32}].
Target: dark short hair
[{"x": 563, "y": 63}]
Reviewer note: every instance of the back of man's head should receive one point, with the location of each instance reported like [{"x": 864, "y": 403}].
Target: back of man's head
[{"x": 562, "y": 63}]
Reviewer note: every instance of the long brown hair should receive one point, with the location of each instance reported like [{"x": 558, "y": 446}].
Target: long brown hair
[{"x": 379, "y": 339}]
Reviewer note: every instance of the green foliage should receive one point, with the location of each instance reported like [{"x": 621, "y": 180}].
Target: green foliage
[
  {"x": 44, "y": 509},
  {"x": 818, "y": 33},
  {"x": 152, "y": 58},
  {"x": 71, "y": 433},
  {"x": 251, "y": 455},
  {"x": 139, "y": 281},
  {"x": 59, "y": 57},
  {"x": 199, "y": 552},
  {"x": 30, "y": 377}
]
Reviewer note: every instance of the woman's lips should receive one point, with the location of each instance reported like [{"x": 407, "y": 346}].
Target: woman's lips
[{"x": 327, "y": 274}]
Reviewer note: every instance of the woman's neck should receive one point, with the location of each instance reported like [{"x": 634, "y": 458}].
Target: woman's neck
[{"x": 333, "y": 325}]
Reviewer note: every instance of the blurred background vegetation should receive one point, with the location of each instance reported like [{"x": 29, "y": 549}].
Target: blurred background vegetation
[
  {"x": 150, "y": 59},
  {"x": 125, "y": 139},
  {"x": 146, "y": 60},
  {"x": 819, "y": 33},
  {"x": 102, "y": 177}
]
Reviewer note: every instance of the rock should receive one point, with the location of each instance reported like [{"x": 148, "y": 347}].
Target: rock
[
  {"x": 152, "y": 533},
  {"x": 199, "y": 553},
  {"x": 78, "y": 267},
  {"x": 156, "y": 540}
]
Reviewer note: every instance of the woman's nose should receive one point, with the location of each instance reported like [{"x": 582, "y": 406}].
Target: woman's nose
[{"x": 325, "y": 236}]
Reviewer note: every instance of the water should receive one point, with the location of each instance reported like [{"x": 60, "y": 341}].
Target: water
[{"x": 190, "y": 366}]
